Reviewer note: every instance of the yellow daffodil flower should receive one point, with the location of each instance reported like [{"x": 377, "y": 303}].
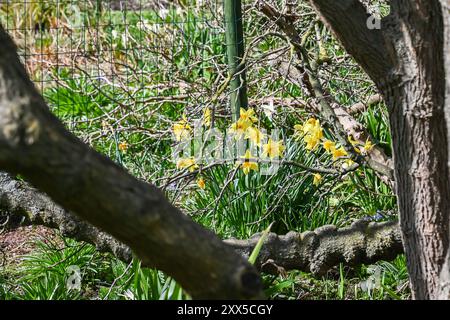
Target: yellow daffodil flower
[
  {"x": 188, "y": 163},
  {"x": 311, "y": 131},
  {"x": 298, "y": 131},
  {"x": 201, "y": 183},
  {"x": 317, "y": 133},
  {"x": 123, "y": 146},
  {"x": 309, "y": 125},
  {"x": 207, "y": 117},
  {"x": 273, "y": 149},
  {"x": 354, "y": 144},
  {"x": 317, "y": 179},
  {"x": 248, "y": 115},
  {"x": 247, "y": 165},
  {"x": 181, "y": 129},
  {"x": 312, "y": 126},
  {"x": 338, "y": 153},
  {"x": 352, "y": 141},
  {"x": 255, "y": 135},
  {"x": 368, "y": 146},
  {"x": 311, "y": 142},
  {"x": 239, "y": 128},
  {"x": 329, "y": 146}
]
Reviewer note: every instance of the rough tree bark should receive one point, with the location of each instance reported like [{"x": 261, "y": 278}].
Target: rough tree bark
[
  {"x": 405, "y": 60},
  {"x": 34, "y": 143},
  {"x": 445, "y": 275},
  {"x": 416, "y": 100}
]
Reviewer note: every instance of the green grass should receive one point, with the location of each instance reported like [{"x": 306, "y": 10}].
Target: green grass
[
  {"x": 44, "y": 275},
  {"x": 132, "y": 282},
  {"x": 390, "y": 283}
]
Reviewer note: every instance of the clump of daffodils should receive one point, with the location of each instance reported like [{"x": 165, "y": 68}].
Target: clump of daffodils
[
  {"x": 245, "y": 128},
  {"x": 182, "y": 129},
  {"x": 244, "y": 123},
  {"x": 187, "y": 163},
  {"x": 311, "y": 132},
  {"x": 247, "y": 164}
]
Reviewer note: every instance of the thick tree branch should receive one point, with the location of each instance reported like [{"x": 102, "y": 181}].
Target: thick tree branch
[
  {"x": 315, "y": 252},
  {"x": 362, "y": 106},
  {"x": 34, "y": 143},
  {"x": 320, "y": 250},
  {"x": 24, "y": 205},
  {"x": 335, "y": 114}
]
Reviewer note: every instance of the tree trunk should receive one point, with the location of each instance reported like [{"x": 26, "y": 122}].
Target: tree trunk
[
  {"x": 406, "y": 61},
  {"x": 415, "y": 98},
  {"x": 445, "y": 274}
]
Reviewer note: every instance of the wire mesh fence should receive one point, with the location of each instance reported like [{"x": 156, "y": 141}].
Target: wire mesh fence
[
  {"x": 100, "y": 59},
  {"x": 108, "y": 68}
]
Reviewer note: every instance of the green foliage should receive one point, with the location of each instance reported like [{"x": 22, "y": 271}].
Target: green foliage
[
  {"x": 132, "y": 282},
  {"x": 390, "y": 282},
  {"x": 255, "y": 253},
  {"x": 44, "y": 275},
  {"x": 247, "y": 204}
]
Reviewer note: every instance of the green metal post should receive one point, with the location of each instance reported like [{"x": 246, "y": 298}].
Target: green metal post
[{"x": 235, "y": 53}]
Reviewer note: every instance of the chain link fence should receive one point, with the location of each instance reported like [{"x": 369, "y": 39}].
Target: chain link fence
[{"x": 114, "y": 64}]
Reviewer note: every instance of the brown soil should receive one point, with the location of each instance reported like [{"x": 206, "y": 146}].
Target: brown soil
[{"x": 21, "y": 241}]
